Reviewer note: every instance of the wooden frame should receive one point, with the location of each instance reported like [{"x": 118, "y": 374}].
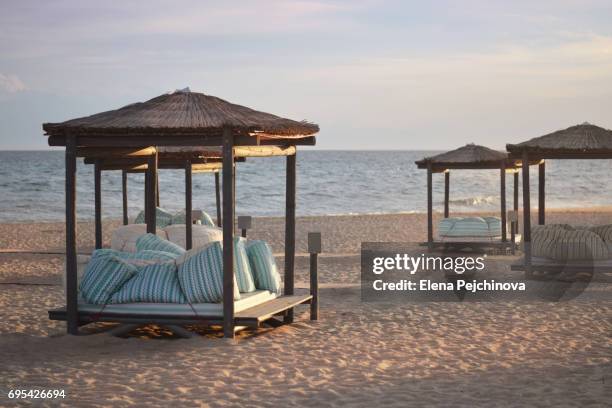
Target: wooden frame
[
  {"x": 529, "y": 155},
  {"x": 282, "y": 305},
  {"x": 445, "y": 168}
]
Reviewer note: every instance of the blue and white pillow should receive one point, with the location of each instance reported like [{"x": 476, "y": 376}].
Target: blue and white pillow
[
  {"x": 242, "y": 267},
  {"x": 156, "y": 283},
  {"x": 201, "y": 276},
  {"x": 145, "y": 255},
  {"x": 263, "y": 266},
  {"x": 162, "y": 218},
  {"x": 103, "y": 276},
  {"x": 155, "y": 243}
]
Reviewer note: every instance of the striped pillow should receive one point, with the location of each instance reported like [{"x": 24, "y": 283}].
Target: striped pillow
[
  {"x": 242, "y": 267},
  {"x": 157, "y": 283},
  {"x": 469, "y": 227},
  {"x": 201, "y": 276},
  {"x": 264, "y": 266},
  {"x": 103, "y": 277},
  {"x": 155, "y": 243},
  {"x": 561, "y": 243},
  {"x": 144, "y": 255},
  {"x": 162, "y": 218}
]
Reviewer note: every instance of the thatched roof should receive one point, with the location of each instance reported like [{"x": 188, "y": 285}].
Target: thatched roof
[
  {"x": 470, "y": 156},
  {"x": 182, "y": 112},
  {"x": 579, "y": 140}
]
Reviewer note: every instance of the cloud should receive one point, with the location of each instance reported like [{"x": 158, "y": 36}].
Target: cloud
[{"x": 11, "y": 84}]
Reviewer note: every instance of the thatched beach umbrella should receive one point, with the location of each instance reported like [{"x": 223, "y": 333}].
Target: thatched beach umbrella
[{"x": 184, "y": 119}]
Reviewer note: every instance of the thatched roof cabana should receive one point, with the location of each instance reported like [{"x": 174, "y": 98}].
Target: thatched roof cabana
[
  {"x": 184, "y": 126},
  {"x": 584, "y": 141},
  {"x": 470, "y": 156}
]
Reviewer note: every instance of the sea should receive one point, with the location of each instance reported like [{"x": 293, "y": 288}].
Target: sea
[{"x": 329, "y": 183}]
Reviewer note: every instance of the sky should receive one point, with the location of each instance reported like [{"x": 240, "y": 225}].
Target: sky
[{"x": 373, "y": 74}]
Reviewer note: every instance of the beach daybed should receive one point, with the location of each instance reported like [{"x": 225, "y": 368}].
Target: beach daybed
[
  {"x": 584, "y": 141},
  {"x": 474, "y": 233},
  {"x": 183, "y": 119}
]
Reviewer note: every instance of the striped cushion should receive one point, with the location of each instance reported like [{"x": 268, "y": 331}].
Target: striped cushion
[
  {"x": 242, "y": 267},
  {"x": 563, "y": 243},
  {"x": 201, "y": 276},
  {"x": 162, "y": 218},
  {"x": 469, "y": 227},
  {"x": 103, "y": 276},
  {"x": 153, "y": 242},
  {"x": 604, "y": 231},
  {"x": 157, "y": 283},
  {"x": 144, "y": 255},
  {"x": 263, "y": 266}
]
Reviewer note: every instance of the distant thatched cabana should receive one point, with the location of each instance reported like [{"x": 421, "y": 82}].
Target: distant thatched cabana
[
  {"x": 584, "y": 141},
  {"x": 470, "y": 156},
  {"x": 177, "y": 120}
]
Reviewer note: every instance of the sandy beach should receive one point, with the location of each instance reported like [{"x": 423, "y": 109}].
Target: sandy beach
[{"x": 358, "y": 354}]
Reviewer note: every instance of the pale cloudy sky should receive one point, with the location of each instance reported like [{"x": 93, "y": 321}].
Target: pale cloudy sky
[{"x": 373, "y": 74}]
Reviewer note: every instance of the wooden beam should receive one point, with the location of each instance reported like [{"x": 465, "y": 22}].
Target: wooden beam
[
  {"x": 218, "y": 199},
  {"x": 446, "y": 193},
  {"x": 151, "y": 194},
  {"x": 157, "y": 189},
  {"x": 516, "y": 198},
  {"x": 124, "y": 193},
  {"x": 118, "y": 152},
  {"x": 228, "y": 234},
  {"x": 188, "y": 201},
  {"x": 290, "y": 190},
  {"x": 72, "y": 317},
  {"x": 98, "y": 204},
  {"x": 429, "y": 207},
  {"x": 526, "y": 215},
  {"x": 147, "y": 210},
  {"x": 502, "y": 181},
  {"x": 542, "y": 193},
  {"x": 264, "y": 151}
]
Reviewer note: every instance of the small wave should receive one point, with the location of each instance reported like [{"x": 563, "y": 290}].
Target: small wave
[{"x": 474, "y": 201}]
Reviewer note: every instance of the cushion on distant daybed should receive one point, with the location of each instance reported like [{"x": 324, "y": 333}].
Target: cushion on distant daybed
[
  {"x": 263, "y": 266},
  {"x": 124, "y": 238},
  {"x": 202, "y": 235},
  {"x": 564, "y": 243},
  {"x": 156, "y": 283},
  {"x": 155, "y": 243},
  {"x": 197, "y": 216},
  {"x": 487, "y": 227},
  {"x": 201, "y": 275},
  {"x": 163, "y": 218},
  {"x": 103, "y": 276}
]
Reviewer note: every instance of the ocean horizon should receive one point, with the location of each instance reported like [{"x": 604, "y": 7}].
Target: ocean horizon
[{"x": 330, "y": 182}]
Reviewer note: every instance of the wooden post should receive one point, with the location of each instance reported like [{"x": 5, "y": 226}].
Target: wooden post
[
  {"x": 542, "y": 193},
  {"x": 228, "y": 233},
  {"x": 244, "y": 224},
  {"x": 98, "y": 203},
  {"x": 156, "y": 189},
  {"x": 125, "y": 196},
  {"x": 516, "y": 200},
  {"x": 188, "y": 202},
  {"x": 526, "y": 215},
  {"x": 218, "y": 198},
  {"x": 72, "y": 316},
  {"x": 147, "y": 211},
  {"x": 446, "y": 192},
  {"x": 151, "y": 194},
  {"x": 290, "y": 187},
  {"x": 314, "y": 248},
  {"x": 429, "y": 208},
  {"x": 502, "y": 180}
]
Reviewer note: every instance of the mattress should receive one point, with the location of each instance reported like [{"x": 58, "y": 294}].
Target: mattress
[
  {"x": 247, "y": 300},
  {"x": 481, "y": 227}
]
